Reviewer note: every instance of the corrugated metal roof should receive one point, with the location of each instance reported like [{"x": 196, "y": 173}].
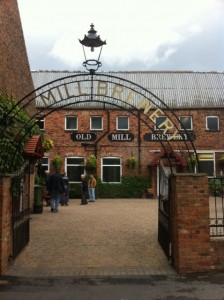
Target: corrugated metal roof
[{"x": 178, "y": 89}]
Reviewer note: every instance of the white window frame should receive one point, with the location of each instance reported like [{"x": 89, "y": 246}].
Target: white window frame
[
  {"x": 71, "y": 129},
  {"x": 117, "y": 122},
  {"x": 96, "y": 129},
  {"x": 215, "y": 117},
  {"x": 74, "y": 165},
  {"x": 47, "y": 164},
  {"x": 199, "y": 153},
  {"x": 191, "y": 126},
  {"x": 102, "y": 165}
]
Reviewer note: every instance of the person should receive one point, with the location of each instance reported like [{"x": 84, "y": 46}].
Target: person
[
  {"x": 65, "y": 196},
  {"x": 84, "y": 190},
  {"x": 92, "y": 187},
  {"x": 55, "y": 188}
]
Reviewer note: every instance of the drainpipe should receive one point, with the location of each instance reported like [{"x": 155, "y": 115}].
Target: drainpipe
[{"x": 106, "y": 132}]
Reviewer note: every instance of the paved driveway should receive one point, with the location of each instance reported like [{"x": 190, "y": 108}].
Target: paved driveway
[{"x": 109, "y": 237}]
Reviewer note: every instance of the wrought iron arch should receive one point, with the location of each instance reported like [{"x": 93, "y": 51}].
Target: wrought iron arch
[{"x": 95, "y": 89}]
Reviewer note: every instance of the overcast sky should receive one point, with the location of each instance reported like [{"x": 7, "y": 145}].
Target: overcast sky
[{"x": 141, "y": 35}]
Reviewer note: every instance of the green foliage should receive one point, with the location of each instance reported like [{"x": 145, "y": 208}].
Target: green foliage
[
  {"x": 57, "y": 162},
  {"x": 192, "y": 163},
  {"x": 16, "y": 128},
  {"x": 130, "y": 187},
  {"x": 91, "y": 162},
  {"x": 132, "y": 162},
  {"x": 216, "y": 185},
  {"x": 74, "y": 190},
  {"x": 134, "y": 186},
  {"x": 16, "y": 187}
]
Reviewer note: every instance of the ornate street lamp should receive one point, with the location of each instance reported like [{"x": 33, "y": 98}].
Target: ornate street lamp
[{"x": 92, "y": 40}]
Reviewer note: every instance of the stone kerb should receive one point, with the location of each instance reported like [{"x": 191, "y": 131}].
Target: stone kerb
[{"x": 190, "y": 235}]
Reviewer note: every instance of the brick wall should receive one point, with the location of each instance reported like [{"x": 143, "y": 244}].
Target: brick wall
[
  {"x": 217, "y": 253},
  {"x": 55, "y": 129},
  {"x": 5, "y": 223},
  {"x": 192, "y": 248},
  {"x": 15, "y": 77},
  {"x": 142, "y": 150}
]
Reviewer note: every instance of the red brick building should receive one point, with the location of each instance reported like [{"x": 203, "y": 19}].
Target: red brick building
[
  {"x": 15, "y": 77},
  {"x": 16, "y": 80},
  {"x": 113, "y": 134}
]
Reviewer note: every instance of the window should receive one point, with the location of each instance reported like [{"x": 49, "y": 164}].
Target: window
[
  {"x": 111, "y": 169},
  {"x": 71, "y": 123},
  {"x": 186, "y": 121},
  {"x": 74, "y": 168},
  {"x": 159, "y": 121},
  {"x": 206, "y": 163},
  {"x": 96, "y": 123},
  {"x": 212, "y": 123},
  {"x": 122, "y": 123},
  {"x": 40, "y": 122},
  {"x": 45, "y": 164}
]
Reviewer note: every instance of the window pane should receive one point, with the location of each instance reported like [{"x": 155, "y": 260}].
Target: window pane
[
  {"x": 44, "y": 168},
  {"x": 111, "y": 174},
  {"x": 75, "y": 161},
  {"x": 111, "y": 169},
  {"x": 96, "y": 123},
  {"x": 122, "y": 123},
  {"x": 187, "y": 122},
  {"x": 208, "y": 156},
  {"x": 75, "y": 167},
  {"x": 74, "y": 173},
  {"x": 44, "y": 161},
  {"x": 207, "y": 166},
  {"x": 40, "y": 122},
  {"x": 160, "y": 120},
  {"x": 71, "y": 122},
  {"x": 45, "y": 164},
  {"x": 111, "y": 161},
  {"x": 212, "y": 123}
]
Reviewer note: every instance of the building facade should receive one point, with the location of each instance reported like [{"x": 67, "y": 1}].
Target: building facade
[
  {"x": 193, "y": 101},
  {"x": 15, "y": 77},
  {"x": 15, "y": 82}
]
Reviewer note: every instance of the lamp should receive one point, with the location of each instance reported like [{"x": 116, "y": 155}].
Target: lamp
[{"x": 92, "y": 41}]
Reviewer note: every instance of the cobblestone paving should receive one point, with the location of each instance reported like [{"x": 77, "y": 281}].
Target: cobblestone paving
[{"x": 109, "y": 237}]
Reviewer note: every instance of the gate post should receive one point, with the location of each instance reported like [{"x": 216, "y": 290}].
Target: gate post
[
  {"x": 189, "y": 217},
  {"x": 5, "y": 223}
]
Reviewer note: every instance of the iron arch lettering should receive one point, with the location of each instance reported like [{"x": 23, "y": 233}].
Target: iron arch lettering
[{"x": 104, "y": 91}]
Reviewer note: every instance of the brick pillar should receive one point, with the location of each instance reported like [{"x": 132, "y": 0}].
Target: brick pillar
[
  {"x": 5, "y": 223},
  {"x": 190, "y": 235}
]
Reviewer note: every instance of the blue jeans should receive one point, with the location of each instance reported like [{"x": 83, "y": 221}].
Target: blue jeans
[
  {"x": 55, "y": 199},
  {"x": 92, "y": 194}
]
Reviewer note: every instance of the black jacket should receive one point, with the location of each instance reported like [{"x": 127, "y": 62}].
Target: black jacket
[
  {"x": 84, "y": 185},
  {"x": 55, "y": 183}
]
